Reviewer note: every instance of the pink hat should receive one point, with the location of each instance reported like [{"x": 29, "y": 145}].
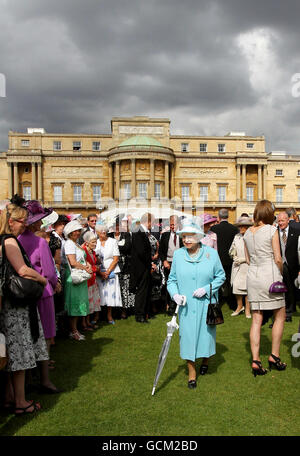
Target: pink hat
[{"x": 207, "y": 218}]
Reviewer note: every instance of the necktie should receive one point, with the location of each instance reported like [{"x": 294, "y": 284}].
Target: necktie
[
  {"x": 175, "y": 239},
  {"x": 284, "y": 236}
]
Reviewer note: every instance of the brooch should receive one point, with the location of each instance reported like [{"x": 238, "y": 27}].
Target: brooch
[{"x": 207, "y": 256}]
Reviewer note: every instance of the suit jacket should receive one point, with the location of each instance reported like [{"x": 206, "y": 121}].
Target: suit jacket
[
  {"x": 291, "y": 251},
  {"x": 81, "y": 240},
  {"x": 295, "y": 225},
  {"x": 164, "y": 245},
  {"x": 140, "y": 257},
  {"x": 225, "y": 232}
]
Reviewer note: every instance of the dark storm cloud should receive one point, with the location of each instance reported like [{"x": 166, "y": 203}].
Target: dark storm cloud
[{"x": 72, "y": 65}]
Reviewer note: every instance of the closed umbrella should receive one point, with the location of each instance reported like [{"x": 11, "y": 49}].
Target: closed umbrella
[{"x": 171, "y": 326}]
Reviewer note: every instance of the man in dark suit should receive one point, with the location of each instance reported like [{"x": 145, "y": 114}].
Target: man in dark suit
[
  {"x": 225, "y": 233},
  {"x": 141, "y": 266},
  {"x": 288, "y": 237},
  {"x": 91, "y": 220},
  {"x": 168, "y": 244},
  {"x": 293, "y": 218}
]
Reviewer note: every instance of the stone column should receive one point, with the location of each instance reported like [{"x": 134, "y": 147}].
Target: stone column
[
  {"x": 110, "y": 181},
  {"x": 243, "y": 182},
  {"x": 33, "y": 181},
  {"x": 16, "y": 178},
  {"x": 238, "y": 182},
  {"x": 264, "y": 181},
  {"x": 166, "y": 179},
  {"x": 152, "y": 178},
  {"x": 133, "y": 178},
  {"x": 10, "y": 180},
  {"x": 259, "y": 183},
  {"x": 117, "y": 175},
  {"x": 40, "y": 182}
]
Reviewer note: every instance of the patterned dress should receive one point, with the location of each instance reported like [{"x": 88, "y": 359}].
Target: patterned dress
[
  {"x": 110, "y": 293},
  {"x": 93, "y": 290}
]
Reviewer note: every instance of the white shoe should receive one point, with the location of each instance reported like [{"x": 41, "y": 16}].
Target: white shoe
[
  {"x": 248, "y": 316},
  {"x": 234, "y": 314}
]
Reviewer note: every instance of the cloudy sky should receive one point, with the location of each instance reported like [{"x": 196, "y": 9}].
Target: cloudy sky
[{"x": 210, "y": 66}]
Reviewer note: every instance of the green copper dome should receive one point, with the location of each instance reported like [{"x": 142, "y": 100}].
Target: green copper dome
[{"x": 139, "y": 141}]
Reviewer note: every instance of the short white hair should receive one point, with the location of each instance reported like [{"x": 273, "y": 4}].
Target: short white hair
[
  {"x": 89, "y": 236},
  {"x": 100, "y": 227}
]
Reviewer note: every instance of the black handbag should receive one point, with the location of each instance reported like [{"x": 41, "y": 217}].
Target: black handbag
[
  {"x": 214, "y": 312},
  {"x": 20, "y": 291}
]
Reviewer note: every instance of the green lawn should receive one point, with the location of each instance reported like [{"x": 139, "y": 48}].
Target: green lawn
[{"x": 108, "y": 382}]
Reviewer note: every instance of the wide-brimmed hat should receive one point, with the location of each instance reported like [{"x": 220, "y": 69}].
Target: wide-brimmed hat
[
  {"x": 189, "y": 226},
  {"x": 72, "y": 226},
  {"x": 207, "y": 218},
  {"x": 49, "y": 220},
  {"x": 244, "y": 221},
  {"x": 61, "y": 219},
  {"x": 36, "y": 211}
]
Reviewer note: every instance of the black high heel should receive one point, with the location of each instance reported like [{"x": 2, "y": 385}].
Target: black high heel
[
  {"x": 278, "y": 365},
  {"x": 203, "y": 369},
  {"x": 260, "y": 370}
]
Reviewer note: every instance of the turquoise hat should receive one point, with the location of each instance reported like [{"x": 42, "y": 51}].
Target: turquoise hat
[{"x": 189, "y": 226}]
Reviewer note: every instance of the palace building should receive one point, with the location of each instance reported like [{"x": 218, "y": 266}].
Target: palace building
[{"x": 141, "y": 159}]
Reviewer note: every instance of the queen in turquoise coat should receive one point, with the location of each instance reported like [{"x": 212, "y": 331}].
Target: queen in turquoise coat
[{"x": 194, "y": 268}]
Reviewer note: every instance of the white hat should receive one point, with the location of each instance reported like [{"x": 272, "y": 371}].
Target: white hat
[
  {"x": 49, "y": 220},
  {"x": 72, "y": 226}
]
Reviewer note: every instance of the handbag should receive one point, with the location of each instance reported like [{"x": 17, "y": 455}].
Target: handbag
[
  {"x": 78, "y": 275},
  {"x": 277, "y": 287},
  {"x": 18, "y": 289},
  {"x": 214, "y": 312}
]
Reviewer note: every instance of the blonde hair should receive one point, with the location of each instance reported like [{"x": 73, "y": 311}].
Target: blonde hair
[{"x": 10, "y": 212}]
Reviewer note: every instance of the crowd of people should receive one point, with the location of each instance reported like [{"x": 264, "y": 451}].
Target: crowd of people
[{"x": 90, "y": 271}]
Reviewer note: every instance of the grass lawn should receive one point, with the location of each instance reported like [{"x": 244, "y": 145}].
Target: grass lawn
[{"x": 108, "y": 381}]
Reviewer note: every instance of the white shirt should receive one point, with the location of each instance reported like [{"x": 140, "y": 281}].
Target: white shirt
[{"x": 107, "y": 252}]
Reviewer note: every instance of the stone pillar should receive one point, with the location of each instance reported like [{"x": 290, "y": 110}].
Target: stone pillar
[
  {"x": 133, "y": 178},
  {"x": 259, "y": 183},
  {"x": 264, "y": 181},
  {"x": 152, "y": 178},
  {"x": 238, "y": 182},
  {"x": 117, "y": 175},
  {"x": 243, "y": 182},
  {"x": 33, "y": 181},
  {"x": 16, "y": 178},
  {"x": 166, "y": 179},
  {"x": 10, "y": 180},
  {"x": 110, "y": 181},
  {"x": 40, "y": 182}
]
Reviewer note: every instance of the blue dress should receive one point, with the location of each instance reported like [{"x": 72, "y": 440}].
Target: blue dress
[{"x": 197, "y": 339}]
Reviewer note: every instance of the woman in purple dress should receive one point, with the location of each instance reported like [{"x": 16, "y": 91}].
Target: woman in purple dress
[
  {"x": 210, "y": 238},
  {"x": 41, "y": 259}
]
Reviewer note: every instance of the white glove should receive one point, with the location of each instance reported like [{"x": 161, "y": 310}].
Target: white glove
[
  {"x": 178, "y": 299},
  {"x": 199, "y": 292}
]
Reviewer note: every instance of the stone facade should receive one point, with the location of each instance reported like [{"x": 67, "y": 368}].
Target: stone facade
[{"x": 140, "y": 158}]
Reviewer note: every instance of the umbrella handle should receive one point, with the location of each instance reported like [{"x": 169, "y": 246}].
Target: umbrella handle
[{"x": 183, "y": 304}]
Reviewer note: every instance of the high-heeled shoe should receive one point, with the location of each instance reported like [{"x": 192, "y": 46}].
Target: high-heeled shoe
[
  {"x": 260, "y": 370},
  {"x": 203, "y": 369},
  {"x": 236, "y": 313},
  {"x": 277, "y": 364}
]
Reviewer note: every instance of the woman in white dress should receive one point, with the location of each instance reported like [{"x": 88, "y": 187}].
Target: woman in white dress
[
  {"x": 240, "y": 267},
  {"x": 108, "y": 279}
]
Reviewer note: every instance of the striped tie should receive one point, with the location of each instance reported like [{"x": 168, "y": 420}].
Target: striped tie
[{"x": 284, "y": 236}]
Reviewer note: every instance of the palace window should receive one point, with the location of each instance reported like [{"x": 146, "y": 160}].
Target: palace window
[
  {"x": 222, "y": 193},
  {"x": 25, "y": 143},
  {"x": 27, "y": 192},
  {"x": 77, "y": 193},
  {"x": 298, "y": 192},
  {"x": 96, "y": 193},
  {"x": 298, "y": 174},
  {"x": 56, "y": 145},
  {"x": 184, "y": 147},
  {"x": 203, "y": 147},
  {"x": 143, "y": 190},
  {"x": 279, "y": 195},
  {"x": 250, "y": 194},
  {"x": 157, "y": 192},
  {"x": 96, "y": 145},
  {"x": 57, "y": 193},
  {"x": 76, "y": 145},
  {"x": 126, "y": 191},
  {"x": 221, "y": 147},
  {"x": 279, "y": 172},
  {"x": 185, "y": 192},
  {"x": 250, "y": 145},
  {"x": 203, "y": 195}
]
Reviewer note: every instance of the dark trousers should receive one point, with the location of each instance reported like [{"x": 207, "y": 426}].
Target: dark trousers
[
  {"x": 225, "y": 292},
  {"x": 169, "y": 300},
  {"x": 142, "y": 296},
  {"x": 290, "y": 301}
]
